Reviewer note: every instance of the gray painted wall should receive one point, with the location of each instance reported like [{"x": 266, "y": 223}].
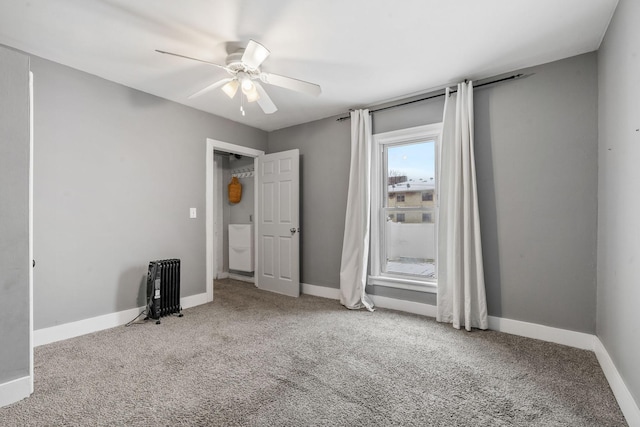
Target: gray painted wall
[
  {"x": 619, "y": 199},
  {"x": 116, "y": 171},
  {"x": 14, "y": 215},
  {"x": 536, "y": 150},
  {"x": 242, "y": 212},
  {"x": 324, "y": 178}
]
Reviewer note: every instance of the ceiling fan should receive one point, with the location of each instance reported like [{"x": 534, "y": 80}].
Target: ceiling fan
[{"x": 243, "y": 67}]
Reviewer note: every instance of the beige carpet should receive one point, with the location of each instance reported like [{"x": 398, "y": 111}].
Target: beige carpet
[{"x": 260, "y": 359}]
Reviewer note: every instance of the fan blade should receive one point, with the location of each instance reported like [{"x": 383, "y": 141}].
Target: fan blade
[
  {"x": 211, "y": 87},
  {"x": 264, "y": 101},
  {"x": 193, "y": 59},
  {"x": 291, "y": 83},
  {"x": 254, "y": 54}
]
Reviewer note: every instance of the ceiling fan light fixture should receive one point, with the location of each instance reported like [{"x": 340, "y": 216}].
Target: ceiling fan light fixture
[
  {"x": 248, "y": 87},
  {"x": 247, "y": 84},
  {"x": 231, "y": 88},
  {"x": 252, "y": 95}
]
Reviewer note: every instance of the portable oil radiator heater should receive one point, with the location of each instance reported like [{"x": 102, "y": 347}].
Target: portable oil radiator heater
[{"x": 163, "y": 289}]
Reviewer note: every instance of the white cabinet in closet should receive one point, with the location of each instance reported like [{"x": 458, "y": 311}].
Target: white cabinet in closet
[{"x": 241, "y": 253}]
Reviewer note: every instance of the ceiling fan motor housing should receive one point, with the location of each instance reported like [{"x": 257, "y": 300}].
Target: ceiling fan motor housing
[{"x": 235, "y": 65}]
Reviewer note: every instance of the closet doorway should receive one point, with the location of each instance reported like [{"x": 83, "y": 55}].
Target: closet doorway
[
  {"x": 224, "y": 158},
  {"x": 276, "y": 216}
]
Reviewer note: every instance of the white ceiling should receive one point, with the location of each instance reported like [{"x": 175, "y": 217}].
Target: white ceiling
[{"x": 362, "y": 52}]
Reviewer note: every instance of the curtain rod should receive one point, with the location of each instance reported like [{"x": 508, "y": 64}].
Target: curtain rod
[{"x": 513, "y": 77}]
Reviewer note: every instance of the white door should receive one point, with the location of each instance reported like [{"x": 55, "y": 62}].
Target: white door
[{"x": 278, "y": 231}]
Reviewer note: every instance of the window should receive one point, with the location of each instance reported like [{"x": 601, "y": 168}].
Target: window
[{"x": 403, "y": 235}]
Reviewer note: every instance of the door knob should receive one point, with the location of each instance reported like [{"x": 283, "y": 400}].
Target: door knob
[{"x": 293, "y": 230}]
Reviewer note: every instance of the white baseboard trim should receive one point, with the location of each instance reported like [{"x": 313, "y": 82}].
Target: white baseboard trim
[
  {"x": 530, "y": 330},
  {"x": 625, "y": 399},
  {"x": 403, "y": 305},
  {"x": 378, "y": 301},
  {"x": 15, "y": 390},
  {"x": 320, "y": 291},
  {"x": 82, "y": 327},
  {"x": 242, "y": 278},
  {"x": 515, "y": 327},
  {"x": 540, "y": 332},
  {"x": 226, "y": 275},
  {"x": 94, "y": 324},
  {"x": 194, "y": 300}
]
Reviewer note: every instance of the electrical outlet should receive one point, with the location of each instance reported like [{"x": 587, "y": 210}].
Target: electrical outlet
[{"x": 192, "y": 213}]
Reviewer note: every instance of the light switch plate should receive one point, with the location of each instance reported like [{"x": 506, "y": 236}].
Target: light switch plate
[{"x": 192, "y": 213}]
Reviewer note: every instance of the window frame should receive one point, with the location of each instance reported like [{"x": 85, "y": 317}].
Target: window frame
[{"x": 416, "y": 134}]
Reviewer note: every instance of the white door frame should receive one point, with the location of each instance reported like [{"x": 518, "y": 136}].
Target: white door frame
[
  {"x": 31, "y": 231},
  {"x": 212, "y": 202}
]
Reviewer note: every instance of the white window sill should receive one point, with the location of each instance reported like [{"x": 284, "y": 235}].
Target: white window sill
[{"x": 403, "y": 283}]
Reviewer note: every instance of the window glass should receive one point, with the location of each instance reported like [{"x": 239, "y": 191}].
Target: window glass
[{"x": 409, "y": 246}]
